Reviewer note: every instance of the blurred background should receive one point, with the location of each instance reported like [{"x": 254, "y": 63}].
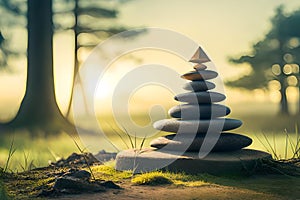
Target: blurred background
[{"x": 255, "y": 46}]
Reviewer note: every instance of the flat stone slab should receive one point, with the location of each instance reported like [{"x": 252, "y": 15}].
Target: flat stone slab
[
  {"x": 202, "y": 111},
  {"x": 196, "y": 126},
  {"x": 197, "y": 86},
  {"x": 200, "y": 75},
  {"x": 146, "y": 160},
  {"x": 200, "y": 97},
  {"x": 226, "y": 142}
]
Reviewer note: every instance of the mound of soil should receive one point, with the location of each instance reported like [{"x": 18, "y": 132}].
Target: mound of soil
[{"x": 83, "y": 160}]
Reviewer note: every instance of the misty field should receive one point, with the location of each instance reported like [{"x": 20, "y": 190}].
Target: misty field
[{"x": 276, "y": 134}]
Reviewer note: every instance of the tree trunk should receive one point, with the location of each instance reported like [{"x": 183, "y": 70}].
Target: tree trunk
[
  {"x": 298, "y": 94},
  {"x": 39, "y": 105},
  {"x": 284, "y": 108},
  {"x": 76, "y": 62},
  {"x": 76, "y": 75}
]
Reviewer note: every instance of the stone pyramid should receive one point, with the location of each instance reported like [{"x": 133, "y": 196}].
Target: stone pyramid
[
  {"x": 198, "y": 125},
  {"x": 199, "y": 113}
]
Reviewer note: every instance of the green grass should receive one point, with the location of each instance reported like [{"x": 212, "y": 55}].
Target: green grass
[
  {"x": 38, "y": 151},
  {"x": 34, "y": 152}
]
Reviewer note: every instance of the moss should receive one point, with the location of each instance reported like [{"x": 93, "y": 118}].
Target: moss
[
  {"x": 28, "y": 185},
  {"x": 42, "y": 182},
  {"x": 108, "y": 173},
  {"x": 152, "y": 178},
  {"x": 159, "y": 178}
]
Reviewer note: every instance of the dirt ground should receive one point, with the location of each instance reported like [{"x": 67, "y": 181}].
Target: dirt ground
[
  {"x": 269, "y": 187},
  {"x": 177, "y": 192},
  {"x": 256, "y": 187}
]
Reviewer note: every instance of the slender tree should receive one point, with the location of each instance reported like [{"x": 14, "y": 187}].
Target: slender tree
[
  {"x": 39, "y": 109},
  {"x": 275, "y": 57},
  {"x": 39, "y": 105},
  {"x": 93, "y": 10}
]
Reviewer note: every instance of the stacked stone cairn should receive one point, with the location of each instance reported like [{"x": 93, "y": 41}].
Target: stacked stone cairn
[
  {"x": 200, "y": 116},
  {"x": 200, "y": 141}
]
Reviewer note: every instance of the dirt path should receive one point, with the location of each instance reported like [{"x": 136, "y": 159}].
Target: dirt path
[{"x": 131, "y": 192}]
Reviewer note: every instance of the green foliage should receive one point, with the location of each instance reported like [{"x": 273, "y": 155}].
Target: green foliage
[{"x": 281, "y": 45}]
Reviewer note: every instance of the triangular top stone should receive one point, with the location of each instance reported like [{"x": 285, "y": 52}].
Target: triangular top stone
[{"x": 199, "y": 57}]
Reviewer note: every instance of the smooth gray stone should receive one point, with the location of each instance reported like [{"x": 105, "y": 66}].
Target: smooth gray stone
[
  {"x": 200, "y": 75},
  {"x": 200, "y": 67},
  {"x": 202, "y": 111},
  {"x": 218, "y": 163},
  {"x": 226, "y": 142},
  {"x": 200, "y": 97},
  {"x": 197, "y": 86},
  {"x": 196, "y": 126}
]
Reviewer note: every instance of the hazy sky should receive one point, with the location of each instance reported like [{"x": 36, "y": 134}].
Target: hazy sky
[{"x": 223, "y": 27}]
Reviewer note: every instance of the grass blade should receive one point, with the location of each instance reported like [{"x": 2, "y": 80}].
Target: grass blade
[
  {"x": 120, "y": 136},
  {"x": 143, "y": 141},
  {"x": 25, "y": 160},
  {"x": 297, "y": 148},
  {"x": 132, "y": 145},
  {"x": 262, "y": 143},
  {"x": 54, "y": 155},
  {"x": 85, "y": 159},
  {"x": 135, "y": 140},
  {"x": 10, "y": 154},
  {"x": 268, "y": 142},
  {"x": 293, "y": 148},
  {"x": 274, "y": 143},
  {"x": 286, "y": 146}
]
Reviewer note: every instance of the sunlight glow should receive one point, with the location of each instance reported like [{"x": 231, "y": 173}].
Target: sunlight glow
[
  {"x": 275, "y": 96},
  {"x": 292, "y": 94},
  {"x": 223, "y": 33}
]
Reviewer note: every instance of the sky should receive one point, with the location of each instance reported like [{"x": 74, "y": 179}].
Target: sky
[{"x": 222, "y": 28}]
